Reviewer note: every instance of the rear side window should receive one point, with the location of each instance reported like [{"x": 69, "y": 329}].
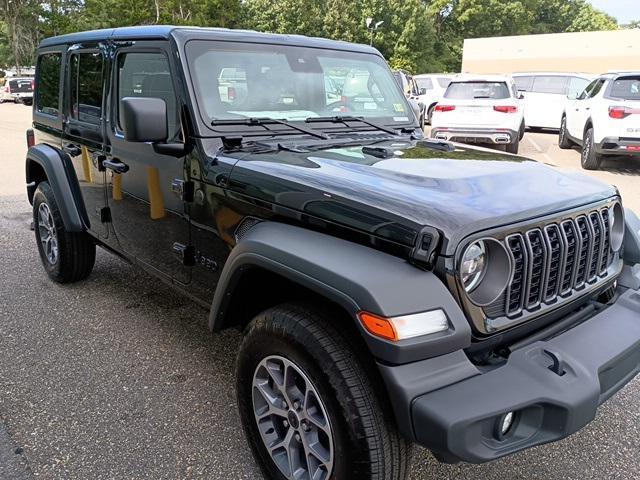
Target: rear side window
[
  {"x": 626, "y": 88},
  {"x": 477, "y": 90},
  {"x": 425, "y": 83},
  {"x": 48, "y": 94},
  {"x": 524, "y": 84},
  {"x": 86, "y": 86},
  {"x": 577, "y": 86},
  {"x": 444, "y": 82},
  {"x": 148, "y": 75},
  {"x": 550, "y": 84}
]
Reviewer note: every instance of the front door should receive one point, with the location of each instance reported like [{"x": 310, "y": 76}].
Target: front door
[
  {"x": 83, "y": 138},
  {"x": 149, "y": 221}
]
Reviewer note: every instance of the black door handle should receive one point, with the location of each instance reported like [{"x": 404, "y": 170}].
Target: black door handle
[
  {"x": 116, "y": 165},
  {"x": 72, "y": 149}
]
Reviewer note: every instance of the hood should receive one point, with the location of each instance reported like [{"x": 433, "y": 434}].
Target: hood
[{"x": 394, "y": 189}]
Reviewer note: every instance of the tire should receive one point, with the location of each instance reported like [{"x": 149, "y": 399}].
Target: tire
[
  {"x": 521, "y": 132},
  {"x": 66, "y": 256},
  {"x": 366, "y": 443},
  {"x": 512, "y": 147},
  {"x": 563, "y": 138},
  {"x": 589, "y": 159},
  {"x": 430, "y": 113}
]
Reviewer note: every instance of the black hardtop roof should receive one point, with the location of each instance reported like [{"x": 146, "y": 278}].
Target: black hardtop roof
[{"x": 164, "y": 32}]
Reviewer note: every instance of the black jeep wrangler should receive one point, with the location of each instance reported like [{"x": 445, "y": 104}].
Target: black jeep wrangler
[{"x": 392, "y": 289}]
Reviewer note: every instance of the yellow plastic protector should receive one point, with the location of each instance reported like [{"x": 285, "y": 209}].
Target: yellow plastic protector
[
  {"x": 156, "y": 203},
  {"x": 86, "y": 165},
  {"x": 116, "y": 192}
]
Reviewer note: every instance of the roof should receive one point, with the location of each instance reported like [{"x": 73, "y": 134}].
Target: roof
[
  {"x": 441, "y": 75},
  {"x": 560, "y": 74},
  {"x": 164, "y": 32},
  {"x": 470, "y": 77}
]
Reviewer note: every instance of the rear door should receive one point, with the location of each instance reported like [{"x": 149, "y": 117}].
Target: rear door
[
  {"x": 623, "y": 101},
  {"x": 476, "y": 104},
  {"x": 83, "y": 126}
]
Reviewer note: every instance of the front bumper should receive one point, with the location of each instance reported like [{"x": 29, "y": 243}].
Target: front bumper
[
  {"x": 619, "y": 146},
  {"x": 458, "y": 418},
  {"x": 475, "y": 135}
]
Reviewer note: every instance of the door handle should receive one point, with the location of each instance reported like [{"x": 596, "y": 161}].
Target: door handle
[
  {"x": 116, "y": 165},
  {"x": 72, "y": 149}
]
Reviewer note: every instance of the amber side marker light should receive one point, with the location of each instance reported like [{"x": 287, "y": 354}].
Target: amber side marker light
[{"x": 404, "y": 326}]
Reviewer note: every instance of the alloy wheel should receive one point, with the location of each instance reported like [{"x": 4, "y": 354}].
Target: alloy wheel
[
  {"x": 292, "y": 420},
  {"x": 47, "y": 233}
]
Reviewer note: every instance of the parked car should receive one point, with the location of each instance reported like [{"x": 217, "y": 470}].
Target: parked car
[
  {"x": 391, "y": 289},
  {"x": 604, "y": 119},
  {"x": 409, "y": 87},
  {"x": 545, "y": 95},
  {"x": 17, "y": 90},
  {"x": 431, "y": 87},
  {"x": 480, "y": 109}
]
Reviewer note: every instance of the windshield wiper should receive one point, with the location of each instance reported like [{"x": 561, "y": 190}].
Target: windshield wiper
[
  {"x": 348, "y": 118},
  {"x": 263, "y": 122}
]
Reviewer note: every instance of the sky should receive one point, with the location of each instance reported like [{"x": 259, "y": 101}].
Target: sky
[{"x": 623, "y": 10}]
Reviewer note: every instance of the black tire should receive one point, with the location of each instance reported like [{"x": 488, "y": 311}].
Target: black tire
[
  {"x": 76, "y": 251},
  {"x": 589, "y": 159},
  {"x": 563, "y": 137},
  {"x": 521, "y": 132},
  {"x": 367, "y": 444},
  {"x": 430, "y": 113},
  {"x": 512, "y": 147}
]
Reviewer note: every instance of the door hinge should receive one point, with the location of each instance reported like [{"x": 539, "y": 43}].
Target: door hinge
[
  {"x": 105, "y": 214},
  {"x": 183, "y": 189},
  {"x": 185, "y": 253}
]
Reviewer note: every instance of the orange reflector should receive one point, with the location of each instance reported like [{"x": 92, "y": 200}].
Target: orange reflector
[{"x": 378, "y": 326}]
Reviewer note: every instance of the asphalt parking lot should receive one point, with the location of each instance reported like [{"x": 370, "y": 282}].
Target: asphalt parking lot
[{"x": 118, "y": 377}]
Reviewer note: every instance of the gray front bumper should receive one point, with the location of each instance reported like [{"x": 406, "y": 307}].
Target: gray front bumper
[{"x": 457, "y": 419}]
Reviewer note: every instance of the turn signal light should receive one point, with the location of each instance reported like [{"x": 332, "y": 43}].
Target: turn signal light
[
  {"x": 505, "y": 108},
  {"x": 444, "y": 108},
  {"x": 405, "y": 326}
]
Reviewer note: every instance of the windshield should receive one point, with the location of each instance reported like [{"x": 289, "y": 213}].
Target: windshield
[
  {"x": 247, "y": 80},
  {"x": 626, "y": 88},
  {"x": 471, "y": 90}
]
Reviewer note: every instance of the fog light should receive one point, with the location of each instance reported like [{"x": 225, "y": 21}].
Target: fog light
[{"x": 504, "y": 424}]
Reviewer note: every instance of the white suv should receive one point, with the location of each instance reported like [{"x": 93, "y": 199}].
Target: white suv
[
  {"x": 604, "y": 119},
  {"x": 480, "y": 109},
  {"x": 431, "y": 87}
]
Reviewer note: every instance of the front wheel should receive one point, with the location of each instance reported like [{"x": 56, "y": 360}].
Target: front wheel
[
  {"x": 66, "y": 256},
  {"x": 589, "y": 159},
  {"x": 307, "y": 404}
]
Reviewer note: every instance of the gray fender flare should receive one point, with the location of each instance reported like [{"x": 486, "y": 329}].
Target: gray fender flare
[
  {"x": 64, "y": 184},
  {"x": 351, "y": 275}
]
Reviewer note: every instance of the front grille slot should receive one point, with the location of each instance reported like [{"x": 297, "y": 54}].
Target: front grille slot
[{"x": 551, "y": 262}]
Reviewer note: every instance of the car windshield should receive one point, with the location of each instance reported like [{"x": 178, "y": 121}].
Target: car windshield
[
  {"x": 471, "y": 90},
  {"x": 626, "y": 88},
  {"x": 247, "y": 80}
]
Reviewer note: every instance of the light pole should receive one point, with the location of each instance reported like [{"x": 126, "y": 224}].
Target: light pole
[{"x": 372, "y": 27}]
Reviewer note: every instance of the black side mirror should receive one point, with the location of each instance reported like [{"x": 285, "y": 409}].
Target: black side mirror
[
  {"x": 423, "y": 91},
  {"x": 520, "y": 95},
  {"x": 144, "y": 119}
]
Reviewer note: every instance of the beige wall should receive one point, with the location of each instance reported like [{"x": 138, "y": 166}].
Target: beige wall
[{"x": 590, "y": 52}]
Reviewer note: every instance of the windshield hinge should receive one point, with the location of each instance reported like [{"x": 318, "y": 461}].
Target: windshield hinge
[
  {"x": 231, "y": 143},
  {"x": 426, "y": 248}
]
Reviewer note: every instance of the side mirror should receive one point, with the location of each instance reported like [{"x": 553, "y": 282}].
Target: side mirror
[
  {"x": 423, "y": 91},
  {"x": 520, "y": 94},
  {"x": 144, "y": 119}
]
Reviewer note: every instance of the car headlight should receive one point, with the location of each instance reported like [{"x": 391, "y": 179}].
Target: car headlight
[
  {"x": 472, "y": 267},
  {"x": 485, "y": 270}
]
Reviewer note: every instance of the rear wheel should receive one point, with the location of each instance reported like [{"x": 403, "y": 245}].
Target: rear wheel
[
  {"x": 563, "y": 138},
  {"x": 307, "y": 404},
  {"x": 590, "y": 159},
  {"x": 66, "y": 256},
  {"x": 513, "y": 146},
  {"x": 430, "y": 113}
]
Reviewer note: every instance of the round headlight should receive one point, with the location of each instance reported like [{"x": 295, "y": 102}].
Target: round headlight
[{"x": 474, "y": 263}]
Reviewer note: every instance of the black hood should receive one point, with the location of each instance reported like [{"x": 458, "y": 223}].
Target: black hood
[{"x": 394, "y": 189}]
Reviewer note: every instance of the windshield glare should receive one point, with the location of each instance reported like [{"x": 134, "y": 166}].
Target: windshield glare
[
  {"x": 471, "y": 90},
  {"x": 241, "y": 80}
]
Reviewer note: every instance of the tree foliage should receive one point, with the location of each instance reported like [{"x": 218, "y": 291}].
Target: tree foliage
[{"x": 417, "y": 35}]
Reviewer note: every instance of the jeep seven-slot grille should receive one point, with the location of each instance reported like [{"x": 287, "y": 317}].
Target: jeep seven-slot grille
[{"x": 552, "y": 261}]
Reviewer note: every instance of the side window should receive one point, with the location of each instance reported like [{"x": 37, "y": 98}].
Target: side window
[
  {"x": 148, "y": 75},
  {"x": 586, "y": 93},
  {"x": 86, "y": 86},
  {"x": 576, "y": 86},
  {"x": 48, "y": 83},
  {"x": 444, "y": 82},
  {"x": 523, "y": 83},
  {"x": 596, "y": 88},
  {"x": 549, "y": 84}
]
